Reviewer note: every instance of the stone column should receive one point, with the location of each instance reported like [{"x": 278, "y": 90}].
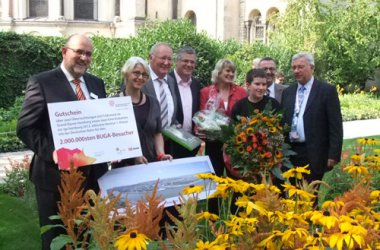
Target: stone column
[
  {"x": 5, "y": 15},
  {"x": 68, "y": 9},
  {"x": 106, "y": 10},
  {"x": 54, "y": 9},
  {"x": 19, "y": 9}
]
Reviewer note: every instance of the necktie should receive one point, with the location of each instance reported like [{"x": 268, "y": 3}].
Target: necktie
[
  {"x": 297, "y": 110},
  {"x": 301, "y": 94},
  {"x": 78, "y": 90},
  {"x": 163, "y": 105}
]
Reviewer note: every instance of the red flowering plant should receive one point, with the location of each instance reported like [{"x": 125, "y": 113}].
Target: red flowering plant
[{"x": 255, "y": 145}]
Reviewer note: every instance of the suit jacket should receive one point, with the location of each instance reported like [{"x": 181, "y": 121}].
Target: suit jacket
[
  {"x": 149, "y": 89},
  {"x": 195, "y": 91},
  {"x": 322, "y": 123},
  {"x": 278, "y": 89},
  {"x": 34, "y": 129}
]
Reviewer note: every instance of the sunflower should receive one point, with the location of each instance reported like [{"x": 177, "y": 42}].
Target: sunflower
[
  {"x": 132, "y": 240},
  {"x": 249, "y": 130}
]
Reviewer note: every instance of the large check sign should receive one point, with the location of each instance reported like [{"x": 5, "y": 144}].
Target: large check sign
[{"x": 94, "y": 131}]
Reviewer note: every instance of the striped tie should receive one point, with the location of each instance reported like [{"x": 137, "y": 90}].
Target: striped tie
[
  {"x": 163, "y": 105},
  {"x": 78, "y": 90}
]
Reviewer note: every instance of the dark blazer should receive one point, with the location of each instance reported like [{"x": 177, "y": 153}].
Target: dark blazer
[
  {"x": 34, "y": 129},
  {"x": 322, "y": 123},
  {"x": 195, "y": 92},
  {"x": 278, "y": 89},
  {"x": 149, "y": 89}
]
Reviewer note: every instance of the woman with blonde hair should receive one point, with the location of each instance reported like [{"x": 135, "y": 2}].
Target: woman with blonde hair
[{"x": 221, "y": 96}]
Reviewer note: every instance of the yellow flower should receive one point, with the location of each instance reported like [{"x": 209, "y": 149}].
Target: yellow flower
[
  {"x": 375, "y": 195},
  {"x": 207, "y": 216},
  {"x": 292, "y": 235},
  {"x": 357, "y": 158},
  {"x": 132, "y": 240},
  {"x": 206, "y": 245},
  {"x": 222, "y": 190},
  {"x": 240, "y": 149},
  {"x": 339, "y": 240},
  {"x": 332, "y": 204},
  {"x": 249, "y": 130},
  {"x": 356, "y": 170},
  {"x": 249, "y": 205},
  {"x": 296, "y": 172},
  {"x": 272, "y": 129},
  {"x": 324, "y": 219},
  {"x": 192, "y": 190},
  {"x": 292, "y": 190}
]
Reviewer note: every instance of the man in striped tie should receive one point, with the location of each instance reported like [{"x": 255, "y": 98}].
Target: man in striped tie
[
  {"x": 161, "y": 85},
  {"x": 68, "y": 82}
]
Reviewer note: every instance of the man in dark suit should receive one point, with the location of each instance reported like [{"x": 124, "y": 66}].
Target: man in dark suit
[
  {"x": 274, "y": 90},
  {"x": 312, "y": 109},
  {"x": 160, "y": 62},
  {"x": 187, "y": 90},
  {"x": 34, "y": 129}
]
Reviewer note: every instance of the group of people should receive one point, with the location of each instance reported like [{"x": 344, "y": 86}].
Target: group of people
[{"x": 163, "y": 97}]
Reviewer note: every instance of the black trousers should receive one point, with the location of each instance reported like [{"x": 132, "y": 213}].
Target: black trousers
[{"x": 47, "y": 206}]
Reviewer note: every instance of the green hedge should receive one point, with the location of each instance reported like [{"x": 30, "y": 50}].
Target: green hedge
[
  {"x": 26, "y": 55},
  {"x": 22, "y": 56}
]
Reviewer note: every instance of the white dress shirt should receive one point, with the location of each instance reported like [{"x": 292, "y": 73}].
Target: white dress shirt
[
  {"x": 186, "y": 100},
  {"x": 300, "y": 124}
]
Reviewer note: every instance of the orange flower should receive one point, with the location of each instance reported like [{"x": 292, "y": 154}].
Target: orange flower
[
  {"x": 249, "y": 148},
  {"x": 268, "y": 154}
]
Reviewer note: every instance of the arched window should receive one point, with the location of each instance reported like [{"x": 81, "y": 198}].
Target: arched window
[
  {"x": 38, "y": 8},
  {"x": 192, "y": 17},
  {"x": 85, "y": 9},
  {"x": 255, "y": 27}
]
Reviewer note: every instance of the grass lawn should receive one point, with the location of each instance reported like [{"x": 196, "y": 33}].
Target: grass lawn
[{"x": 19, "y": 228}]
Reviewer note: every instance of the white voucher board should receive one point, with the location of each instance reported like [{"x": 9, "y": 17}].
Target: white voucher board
[
  {"x": 136, "y": 181},
  {"x": 98, "y": 130}
]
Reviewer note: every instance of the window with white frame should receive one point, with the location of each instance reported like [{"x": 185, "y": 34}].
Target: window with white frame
[{"x": 38, "y": 8}]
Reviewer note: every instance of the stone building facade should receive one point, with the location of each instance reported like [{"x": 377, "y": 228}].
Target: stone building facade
[{"x": 248, "y": 20}]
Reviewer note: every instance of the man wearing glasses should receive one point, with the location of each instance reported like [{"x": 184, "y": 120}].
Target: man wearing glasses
[
  {"x": 274, "y": 90},
  {"x": 67, "y": 82}
]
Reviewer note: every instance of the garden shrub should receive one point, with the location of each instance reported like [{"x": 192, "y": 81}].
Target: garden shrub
[
  {"x": 345, "y": 52},
  {"x": 359, "y": 106},
  {"x": 16, "y": 177},
  {"x": 22, "y": 56}
]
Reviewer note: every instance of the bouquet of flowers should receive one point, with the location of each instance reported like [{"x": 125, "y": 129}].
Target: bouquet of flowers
[
  {"x": 210, "y": 122},
  {"x": 255, "y": 145}
]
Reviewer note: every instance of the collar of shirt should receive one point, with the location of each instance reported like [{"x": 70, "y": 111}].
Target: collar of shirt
[
  {"x": 180, "y": 81},
  {"x": 271, "y": 90},
  {"x": 68, "y": 75},
  {"x": 307, "y": 86},
  {"x": 154, "y": 77}
]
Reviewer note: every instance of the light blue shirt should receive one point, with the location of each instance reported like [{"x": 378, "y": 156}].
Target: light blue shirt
[{"x": 300, "y": 124}]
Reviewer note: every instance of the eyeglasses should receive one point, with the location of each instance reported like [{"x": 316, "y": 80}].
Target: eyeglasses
[
  {"x": 138, "y": 74},
  {"x": 81, "y": 52}
]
